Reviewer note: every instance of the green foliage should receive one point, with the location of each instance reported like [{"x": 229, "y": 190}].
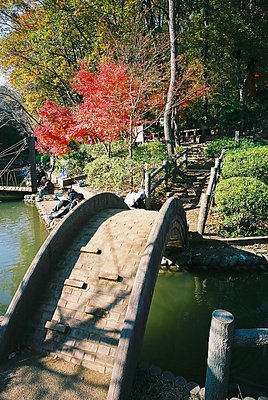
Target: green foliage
[
  {"x": 252, "y": 162},
  {"x": 215, "y": 147},
  {"x": 74, "y": 163},
  {"x": 243, "y": 204},
  {"x": 121, "y": 173},
  {"x": 116, "y": 174}
]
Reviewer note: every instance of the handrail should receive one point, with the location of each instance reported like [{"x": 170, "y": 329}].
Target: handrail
[
  {"x": 169, "y": 169},
  {"x": 9, "y": 177},
  {"x": 222, "y": 339},
  {"x": 207, "y": 198}
]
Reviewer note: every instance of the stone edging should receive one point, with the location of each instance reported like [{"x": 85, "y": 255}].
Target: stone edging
[{"x": 185, "y": 390}]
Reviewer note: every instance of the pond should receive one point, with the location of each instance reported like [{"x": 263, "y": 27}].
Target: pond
[
  {"x": 177, "y": 330},
  {"x": 21, "y": 235}
]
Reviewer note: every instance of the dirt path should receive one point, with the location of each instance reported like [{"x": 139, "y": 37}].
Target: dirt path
[{"x": 32, "y": 377}]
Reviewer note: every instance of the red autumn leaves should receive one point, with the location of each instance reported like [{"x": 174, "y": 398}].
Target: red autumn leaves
[{"x": 113, "y": 104}]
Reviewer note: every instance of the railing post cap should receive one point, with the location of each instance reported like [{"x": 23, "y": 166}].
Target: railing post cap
[{"x": 223, "y": 316}]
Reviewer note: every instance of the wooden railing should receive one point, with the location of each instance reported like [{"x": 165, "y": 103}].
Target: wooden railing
[
  {"x": 207, "y": 198},
  {"x": 222, "y": 339},
  {"x": 163, "y": 173},
  {"x": 14, "y": 177}
]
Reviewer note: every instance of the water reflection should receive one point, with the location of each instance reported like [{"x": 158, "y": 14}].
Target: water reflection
[
  {"x": 21, "y": 235},
  {"x": 179, "y": 321}
]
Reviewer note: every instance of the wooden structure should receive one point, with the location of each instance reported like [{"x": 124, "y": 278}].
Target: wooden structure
[
  {"x": 208, "y": 197},
  {"x": 164, "y": 173},
  {"x": 13, "y": 179}
]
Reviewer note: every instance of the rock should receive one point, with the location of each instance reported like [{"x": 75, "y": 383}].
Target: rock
[
  {"x": 224, "y": 262},
  {"x": 155, "y": 371},
  {"x": 144, "y": 366},
  {"x": 12, "y": 355},
  {"x": 180, "y": 381},
  {"x": 168, "y": 376},
  {"x": 193, "y": 387},
  {"x": 233, "y": 261},
  {"x": 202, "y": 394}
]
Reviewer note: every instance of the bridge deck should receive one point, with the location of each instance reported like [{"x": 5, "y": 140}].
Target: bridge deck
[
  {"x": 16, "y": 189},
  {"x": 94, "y": 312}
]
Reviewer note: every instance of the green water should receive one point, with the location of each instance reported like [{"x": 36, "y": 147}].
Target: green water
[
  {"x": 177, "y": 330},
  {"x": 21, "y": 235}
]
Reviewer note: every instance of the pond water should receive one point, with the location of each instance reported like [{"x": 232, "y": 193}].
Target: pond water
[
  {"x": 178, "y": 326},
  {"x": 21, "y": 235}
]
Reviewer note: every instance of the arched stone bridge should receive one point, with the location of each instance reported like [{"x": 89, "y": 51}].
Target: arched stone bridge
[{"x": 87, "y": 294}]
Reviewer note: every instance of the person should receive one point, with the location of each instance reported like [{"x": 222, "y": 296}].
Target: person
[
  {"x": 40, "y": 173},
  {"x": 63, "y": 201},
  {"x": 65, "y": 205},
  {"x": 47, "y": 187}
]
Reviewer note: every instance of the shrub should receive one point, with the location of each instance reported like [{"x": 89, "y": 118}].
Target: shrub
[
  {"x": 243, "y": 204},
  {"x": 215, "y": 147},
  {"x": 116, "y": 174},
  {"x": 73, "y": 163},
  {"x": 251, "y": 163},
  {"x": 121, "y": 173}
]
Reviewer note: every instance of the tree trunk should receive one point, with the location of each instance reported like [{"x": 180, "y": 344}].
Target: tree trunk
[
  {"x": 205, "y": 59},
  {"x": 169, "y": 139}
]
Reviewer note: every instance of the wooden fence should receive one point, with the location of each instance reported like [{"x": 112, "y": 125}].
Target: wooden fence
[
  {"x": 208, "y": 198},
  {"x": 163, "y": 173},
  {"x": 222, "y": 339}
]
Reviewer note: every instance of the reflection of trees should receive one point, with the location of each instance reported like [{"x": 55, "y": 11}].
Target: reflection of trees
[
  {"x": 26, "y": 236},
  {"x": 243, "y": 295}
]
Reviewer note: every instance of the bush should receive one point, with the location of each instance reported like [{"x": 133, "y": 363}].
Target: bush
[
  {"x": 121, "y": 173},
  {"x": 215, "y": 147},
  {"x": 116, "y": 174},
  {"x": 251, "y": 163},
  {"x": 74, "y": 163},
  {"x": 243, "y": 204}
]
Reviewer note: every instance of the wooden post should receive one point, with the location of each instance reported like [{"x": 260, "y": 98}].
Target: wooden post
[
  {"x": 212, "y": 179},
  {"x": 220, "y": 344},
  {"x": 147, "y": 190},
  {"x": 237, "y": 139},
  {"x": 186, "y": 158},
  {"x": 31, "y": 141},
  {"x": 202, "y": 217},
  {"x": 166, "y": 165}
]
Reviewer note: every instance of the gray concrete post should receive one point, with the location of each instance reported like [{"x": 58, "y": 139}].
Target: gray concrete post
[{"x": 220, "y": 345}]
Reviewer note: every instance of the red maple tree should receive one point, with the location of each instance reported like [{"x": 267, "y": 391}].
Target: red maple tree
[
  {"x": 115, "y": 100},
  {"x": 55, "y": 132},
  {"x": 114, "y": 103}
]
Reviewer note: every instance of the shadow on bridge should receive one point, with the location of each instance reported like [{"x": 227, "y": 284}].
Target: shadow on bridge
[{"x": 86, "y": 297}]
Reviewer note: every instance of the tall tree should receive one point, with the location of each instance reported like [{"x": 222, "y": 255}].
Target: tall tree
[{"x": 169, "y": 138}]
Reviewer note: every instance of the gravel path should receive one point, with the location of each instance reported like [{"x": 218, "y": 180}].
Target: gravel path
[{"x": 32, "y": 377}]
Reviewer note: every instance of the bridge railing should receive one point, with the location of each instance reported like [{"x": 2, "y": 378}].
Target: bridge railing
[
  {"x": 14, "y": 177},
  {"x": 207, "y": 198},
  {"x": 222, "y": 339},
  {"x": 163, "y": 174}
]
